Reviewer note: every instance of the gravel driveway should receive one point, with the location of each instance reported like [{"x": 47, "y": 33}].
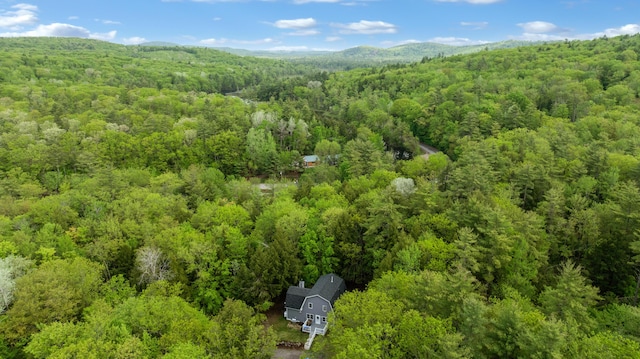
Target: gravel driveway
[{"x": 287, "y": 353}]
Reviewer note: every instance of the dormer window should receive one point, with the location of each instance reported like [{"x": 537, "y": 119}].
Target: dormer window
[
  {"x": 324, "y": 308},
  {"x": 310, "y": 305}
]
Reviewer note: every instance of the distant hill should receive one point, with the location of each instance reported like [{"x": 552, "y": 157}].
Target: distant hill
[
  {"x": 418, "y": 51},
  {"x": 167, "y": 66},
  {"x": 367, "y": 56},
  {"x": 304, "y": 61},
  {"x": 275, "y": 54}
]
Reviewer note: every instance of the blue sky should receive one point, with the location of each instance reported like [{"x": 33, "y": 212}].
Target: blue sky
[{"x": 319, "y": 24}]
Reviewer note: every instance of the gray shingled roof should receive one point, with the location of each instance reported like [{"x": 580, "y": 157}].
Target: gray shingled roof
[
  {"x": 329, "y": 287},
  {"x": 295, "y": 297}
]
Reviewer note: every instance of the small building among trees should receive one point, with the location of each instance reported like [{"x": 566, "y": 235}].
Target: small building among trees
[
  {"x": 310, "y": 161},
  {"x": 311, "y": 306}
]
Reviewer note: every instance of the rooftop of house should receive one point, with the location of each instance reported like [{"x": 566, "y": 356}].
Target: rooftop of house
[
  {"x": 295, "y": 296},
  {"x": 328, "y": 286},
  {"x": 310, "y": 158}
]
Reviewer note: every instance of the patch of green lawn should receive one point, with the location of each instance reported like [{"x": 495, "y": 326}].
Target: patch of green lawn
[{"x": 286, "y": 334}]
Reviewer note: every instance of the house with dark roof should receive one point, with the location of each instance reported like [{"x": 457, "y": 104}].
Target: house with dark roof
[{"x": 311, "y": 306}]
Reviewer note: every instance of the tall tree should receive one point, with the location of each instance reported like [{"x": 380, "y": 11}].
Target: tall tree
[{"x": 57, "y": 291}]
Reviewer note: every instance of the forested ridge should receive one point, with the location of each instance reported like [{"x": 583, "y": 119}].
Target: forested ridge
[
  {"x": 69, "y": 61},
  {"x": 369, "y": 56},
  {"x": 132, "y": 226}
]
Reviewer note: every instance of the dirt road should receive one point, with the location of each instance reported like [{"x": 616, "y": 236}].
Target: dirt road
[
  {"x": 428, "y": 150},
  {"x": 287, "y": 353}
]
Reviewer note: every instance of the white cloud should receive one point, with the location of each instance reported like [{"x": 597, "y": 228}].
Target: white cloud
[
  {"x": 302, "y": 27},
  {"x": 475, "y": 2},
  {"x": 107, "y": 22},
  {"x": 136, "y": 40},
  {"x": 354, "y": 3},
  {"x": 73, "y": 18},
  {"x": 213, "y": 41},
  {"x": 296, "y": 23},
  {"x": 20, "y": 15},
  {"x": 25, "y": 7},
  {"x": 476, "y": 25},
  {"x": 457, "y": 41},
  {"x": 205, "y": 1},
  {"x": 365, "y": 27},
  {"x": 61, "y": 30},
  {"x": 296, "y": 2},
  {"x": 341, "y": 2},
  {"x": 267, "y": 40},
  {"x": 538, "y": 27},
  {"x": 629, "y": 29},
  {"x": 333, "y": 38},
  {"x": 309, "y": 32},
  {"x": 528, "y": 36},
  {"x": 310, "y": 1},
  {"x": 105, "y": 36},
  {"x": 398, "y": 43}
]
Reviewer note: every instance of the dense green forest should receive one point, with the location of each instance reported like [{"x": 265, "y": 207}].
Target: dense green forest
[{"x": 132, "y": 224}]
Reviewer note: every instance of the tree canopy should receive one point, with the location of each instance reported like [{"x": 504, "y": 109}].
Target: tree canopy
[{"x": 143, "y": 213}]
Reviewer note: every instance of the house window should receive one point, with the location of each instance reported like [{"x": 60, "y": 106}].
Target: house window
[
  {"x": 324, "y": 319},
  {"x": 324, "y": 308},
  {"x": 310, "y": 305},
  {"x": 310, "y": 316}
]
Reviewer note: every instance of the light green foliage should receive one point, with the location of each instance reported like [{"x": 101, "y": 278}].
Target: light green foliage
[
  {"x": 261, "y": 150},
  {"x": 239, "y": 333},
  {"x": 227, "y": 148},
  {"x": 571, "y": 297},
  {"x": 427, "y": 337},
  {"x": 156, "y": 325},
  {"x": 328, "y": 151},
  {"x": 415, "y": 168},
  {"x": 435, "y": 253},
  {"x": 11, "y": 268},
  {"x": 371, "y": 324},
  {"x": 608, "y": 345},
  {"x": 621, "y": 319},
  {"x": 365, "y": 154},
  {"x": 437, "y": 294},
  {"x": 507, "y": 246},
  {"x": 317, "y": 251},
  {"x": 517, "y": 329},
  {"x": 209, "y": 215},
  {"x": 58, "y": 290},
  {"x": 186, "y": 351},
  {"x": 202, "y": 184},
  {"x": 116, "y": 290},
  {"x": 364, "y": 323},
  {"x": 282, "y": 219}
]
